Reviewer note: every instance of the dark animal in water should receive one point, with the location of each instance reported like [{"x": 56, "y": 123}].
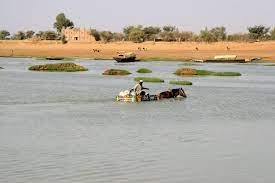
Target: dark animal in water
[{"x": 179, "y": 92}]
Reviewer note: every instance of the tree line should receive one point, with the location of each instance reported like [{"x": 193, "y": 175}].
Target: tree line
[{"x": 141, "y": 33}]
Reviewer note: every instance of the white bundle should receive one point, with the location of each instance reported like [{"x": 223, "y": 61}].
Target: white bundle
[{"x": 124, "y": 93}]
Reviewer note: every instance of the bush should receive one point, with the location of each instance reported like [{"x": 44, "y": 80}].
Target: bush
[
  {"x": 59, "y": 67},
  {"x": 190, "y": 72},
  {"x": 180, "y": 83},
  {"x": 226, "y": 74},
  {"x": 116, "y": 72},
  {"x": 152, "y": 80},
  {"x": 144, "y": 70}
]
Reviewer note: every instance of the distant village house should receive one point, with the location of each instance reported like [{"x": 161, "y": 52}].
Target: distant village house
[{"x": 78, "y": 35}]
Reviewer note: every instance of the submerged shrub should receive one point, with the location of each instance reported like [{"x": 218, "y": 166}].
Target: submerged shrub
[
  {"x": 59, "y": 67},
  {"x": 144, "y": 70},
  {"x": 117, "y": 72},
  {"x": 150, "y": 79},
  {"x": 191, "y": 72},
  {"x": 180, "y": 83}
]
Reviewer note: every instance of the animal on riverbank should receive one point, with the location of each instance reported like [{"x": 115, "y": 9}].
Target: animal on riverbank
[
  {"x": 179, "y": 92},
  {"x": 96, "y": 50},
  {"x": 227, "y": 48},
  {"x": 142, "y": 49},
  {"x": 197, "y": 49}
]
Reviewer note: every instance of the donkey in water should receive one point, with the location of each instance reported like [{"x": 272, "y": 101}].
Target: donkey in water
[{"x": 179, "y": 92}]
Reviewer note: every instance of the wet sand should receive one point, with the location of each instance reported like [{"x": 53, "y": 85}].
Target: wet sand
[{"x": 154, "y": 51}]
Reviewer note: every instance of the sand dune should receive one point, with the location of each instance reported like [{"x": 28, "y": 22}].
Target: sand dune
[{"x": 159, "y": 50}]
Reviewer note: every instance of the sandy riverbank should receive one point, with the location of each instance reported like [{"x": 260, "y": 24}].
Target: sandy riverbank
[{"x": 155, "y": 51}]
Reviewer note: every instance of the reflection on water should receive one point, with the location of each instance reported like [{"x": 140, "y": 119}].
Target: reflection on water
[{"x": 66, "y": 127}]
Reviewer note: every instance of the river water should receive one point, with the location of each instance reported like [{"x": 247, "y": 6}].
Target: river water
[{"x": 67, "y": 127}]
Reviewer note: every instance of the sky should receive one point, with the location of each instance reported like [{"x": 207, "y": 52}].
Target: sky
[{"x": 113, "y": 15}]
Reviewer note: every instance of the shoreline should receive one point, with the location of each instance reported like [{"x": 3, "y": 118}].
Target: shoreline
[{"x": 159, "y": 51}]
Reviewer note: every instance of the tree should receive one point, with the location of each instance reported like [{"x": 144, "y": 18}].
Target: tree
[
  {"x": 4, "y": 34},
  {"x": 29, "y": 34},
  {"x": 272, "y": 34},
  {"x": 62, "y": 22},
  {"x": 39, "y": 34},
  {"x": 63, "y": 39},
  {"x": 238, "y": 37},
  {"x": 20, "y": 35},
  {"x": 49, "y": 35},
  {"x": 258, "y": 32},
  {"x": 184, "y": 36},
  {"x": 96, "y": 34},
  {"x": 169, "y": 33},
  {"x": 106, "y": 36},
  {"x": 151, "y": 33},
  {"x": 218, "y": 33},
  {"x": 136, "y": 35},
  {"x": 118, "y": 36},
  {"x": 205, "y": 35},
  {"x": 169, "y": 28},
  {"x": 127, "y": 30}
]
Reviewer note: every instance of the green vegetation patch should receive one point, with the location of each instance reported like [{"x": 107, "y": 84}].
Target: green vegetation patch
[
  {"x": 116, "y": 72},
  {"x": 180, "y": 83},
  {"x": 59, "y": 67},
  {"x": 192, "y": 72},
  {"x": 190, "y": 64},
  {"x": 226, "y": 74},
  {"x": 151, "y": 79},
  {"x": 270, "y": 65},
  {"x": 144, "y": 70}
]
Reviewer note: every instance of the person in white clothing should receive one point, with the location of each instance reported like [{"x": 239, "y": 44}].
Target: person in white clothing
[{"x": 138, "y": 89}]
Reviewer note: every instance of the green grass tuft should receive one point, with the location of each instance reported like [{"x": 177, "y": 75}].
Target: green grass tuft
[
  {"x": 58, "y": 67},
  {"x": 190, "y": 64},
  {"x": 144, "y": 70},
  {"x": 193, "y": 72},
  {"x": 116, "y": 72},
  {"x": 226, "y": 74},
  {"x": 152, "y": 80},
  {"x": 180, "y": 83},
  {"x": 270, "y": 65}
]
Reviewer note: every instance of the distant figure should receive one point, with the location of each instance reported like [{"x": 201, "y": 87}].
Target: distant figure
[
  {"x": 96, "y": 50},
  {"x": 139, "y": 48},
  {"x": 228, "y": 49},
  {"x": 12, "y": 53},
  {"x": 197, "y": 49}
]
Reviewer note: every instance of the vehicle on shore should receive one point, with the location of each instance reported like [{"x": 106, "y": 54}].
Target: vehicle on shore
[{"x": 123, "y": 57}]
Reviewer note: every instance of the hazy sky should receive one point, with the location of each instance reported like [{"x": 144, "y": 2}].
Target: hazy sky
[{"x": 192, "y": 15}]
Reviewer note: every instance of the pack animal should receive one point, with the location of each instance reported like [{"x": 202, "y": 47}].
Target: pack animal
[{"x": 179, "y": 92}]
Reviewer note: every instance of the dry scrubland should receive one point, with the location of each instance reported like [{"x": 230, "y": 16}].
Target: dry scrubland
[{"x": 155, "y": 51}]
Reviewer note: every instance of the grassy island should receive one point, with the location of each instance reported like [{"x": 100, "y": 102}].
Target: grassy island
[
  {"x": 193, "y": 72},
  {"x": 144, "y": 70},
  {"x": 116, "y": 72},
  {"x": 59, "y": 67},
  {"x": 180, "y": 83},
  {"x": 151, "y": 79}
]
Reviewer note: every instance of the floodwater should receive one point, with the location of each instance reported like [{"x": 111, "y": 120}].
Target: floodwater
[{"x": 67, "y": 127}]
